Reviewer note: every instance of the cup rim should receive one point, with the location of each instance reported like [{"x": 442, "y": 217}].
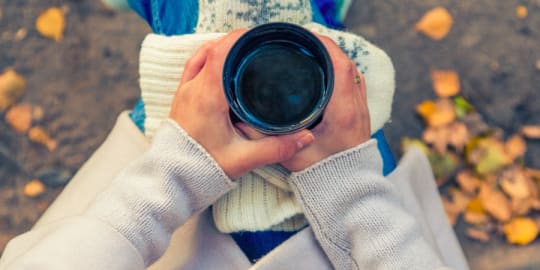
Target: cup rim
[{"x": 229, "y": 74}]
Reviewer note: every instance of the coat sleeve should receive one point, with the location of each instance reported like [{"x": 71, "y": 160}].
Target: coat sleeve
[
  {"x": 357, "y": 216},
  {"x": 129, "y": 225}
]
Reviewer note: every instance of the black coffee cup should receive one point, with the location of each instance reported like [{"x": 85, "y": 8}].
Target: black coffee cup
[{"x": 278, "y": 78}]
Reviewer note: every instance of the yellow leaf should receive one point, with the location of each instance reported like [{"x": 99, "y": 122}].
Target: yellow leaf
[
  {"x": 11, "y": 88},
  {"x": 531, "y": 132},
  {"x": 515, "y": 147},
  {"x": 522, "y": 11},
  {"x": 426, "y": 108},
  {"x": 39, "y": 135},
  {"x": 51, "y": 23},
  {"x": 520, "y": 231},
  {"x": 475, "y": 206},
  {"x": 492, "y": 157},
  {"x": 33, "y": 188},
  {"x": 445, "y": 83},
  {"x": 19, "y": 118},
  {"x": 436, "y": 23}
]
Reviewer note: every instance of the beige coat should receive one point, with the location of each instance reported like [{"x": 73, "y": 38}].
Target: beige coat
[{"x": 198, "y": 245}]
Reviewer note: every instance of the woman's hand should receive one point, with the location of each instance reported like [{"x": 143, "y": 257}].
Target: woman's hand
[
  {"x": 345, "y": 122},
  {"x": 201, "y": 109}
]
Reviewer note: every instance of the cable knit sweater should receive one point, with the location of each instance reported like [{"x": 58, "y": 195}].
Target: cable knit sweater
[{"x": 355, "y": 213}]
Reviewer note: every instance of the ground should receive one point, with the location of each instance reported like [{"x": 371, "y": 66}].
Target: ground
[{"x": 85, "y": 80}]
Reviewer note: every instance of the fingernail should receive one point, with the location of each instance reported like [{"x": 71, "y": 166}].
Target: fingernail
[{"x": 305, "y": 140}]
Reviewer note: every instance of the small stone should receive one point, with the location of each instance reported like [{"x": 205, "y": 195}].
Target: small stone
[
  {"x": 37, "y": 113},
  {"x": 20, "y": 34},
  {"x": 54, "y": 178},
  {"x": 34, "y": 188},
  {"x": 19, "y": 118},
  {"x": 522, "y": 12}
]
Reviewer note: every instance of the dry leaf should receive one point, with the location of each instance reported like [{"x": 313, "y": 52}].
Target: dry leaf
[
  {"x": 522, "y": 12},
  {"x": 533, "y": 173},
  {"x": 531, "y": 132},
  {"x": 34, "y": 188},
  {"x": 426, "y": 108},
  {"x": 468, "y": 182},
  {"x": 487, "y": 155},
  {"x": 520, "y": 231},
  {"x": 19, "y": 117},
  {"x": 445, "y": 83},
  {"x": 514, "y": 183},
  {"x": 477, "y": 234},
  {"x": 515, "y": 147},
  {"x": 436, "y": 23},
  {"x": 39, "y": 135},
  {"x": 495, "y": 203},
  {"x": 437, "y": 114},
  {"x": 443, "y": 165},
  {"x": 475, "y": 206},
  {"x": 458, "y": 136},
  {"x": 475, "y": 218},
  {"x": 11, "y": 88},
  {"x": 51, "y": 23},
  {"x": 521, "y": 207},
  {"x": 438, "y": 137}
]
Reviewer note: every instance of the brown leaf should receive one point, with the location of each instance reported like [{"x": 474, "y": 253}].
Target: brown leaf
[
  {"x": 468, "y": 182},
  {"x": 515, "y": 147},
  {"x": 444, "y": 114},
  {"x": 475, "y": 218},
  {"x": 521, "y": 207},
  {"x": 438, "y": 137},
  {"x": 477, "y": 234},
  {"x": 19, "y": 118},
  {"x": 436, "y": 23},
  {"x": 445, "y": 83},
  {"x": 531, "y": 132},
  {"x": 514, "y": 183},
  {"x": 495, "y": 203},
  {"x": 39, "y": 135},
  {"x": 520, "y": 231},
  {"x": 11, "y": 88},
  {"x": 458, "y": 136},
  {"x": 533, "y": 173},
  {"x": 51, "y": 23}
]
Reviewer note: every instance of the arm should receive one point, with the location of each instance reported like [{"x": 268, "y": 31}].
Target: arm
[{"x": 356, "y": 214}]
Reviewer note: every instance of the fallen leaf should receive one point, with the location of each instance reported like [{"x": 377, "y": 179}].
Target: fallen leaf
[
  {"x": 522, "y": 12},
  {"x": 475, "y": 218},
  {"x": 463, "y": 107},
  {"x": 531, "y": 132},
  {"x": 514, "y": 183},
  {"x": 521, "y": 207},
  {"x": 39, "y": 135},
  {"x": 495, "y": 203},
  {"x": 407, "y": 142},
  {"x": 11, "y": 88},
  {"x": 37, "y": 113},
  {"x": 475, "y": 206},
  {"x": 426, "y": 108},
  {"x": 458, "y": 136},
  {"x": 436, "y": 23},
  {"x": 515, "y": 147},
  {"x": 520, "y": 230},
  {"x": 437, "y": 114},
  {"x": 443, "y": 165},
  {"x": 445, "y": 83},
  {"x": 33, "y": 188},
  {"x": 437, "y": 137},
  {"x": 487, "y": 154},
  {"x": 477, "y": 234},
  {"x": 533, "y": 173},
  {"x": 468, "y": 182},
  {"x": 19, "y": 117},
  {"x": 451, "y": 210},
  {"x": 51, "y": 23}
]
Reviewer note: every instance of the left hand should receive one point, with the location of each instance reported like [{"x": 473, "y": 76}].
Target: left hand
[{"x": 201, "y": 109}]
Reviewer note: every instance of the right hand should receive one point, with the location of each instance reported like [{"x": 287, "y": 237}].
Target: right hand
[{"x": 345, "y": 122}]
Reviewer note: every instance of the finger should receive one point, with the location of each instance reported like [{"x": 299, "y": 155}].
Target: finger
[
  {"x": 195, "y": 63},
  {"x": 249, "y": 132},
  {"x": 218, "y": 54},
  {"x": 273, "y": 149}
]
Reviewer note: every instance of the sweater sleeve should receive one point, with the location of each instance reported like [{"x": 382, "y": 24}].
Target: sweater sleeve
[
  {"x": 130, "y": 224},
  {"x": 356, "y": 214}
]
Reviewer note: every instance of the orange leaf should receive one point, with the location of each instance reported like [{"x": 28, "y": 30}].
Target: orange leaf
[
  {"x": 495, "y": 203},
  {"x": 34, "y": 188},
  {"x": 20, "y": 118},
  {"x": 515, "y": 147},
  {"x": 445, "y": 83},
  {"x": 436, "y": 23},
  {"x": 39, "y": 135},
  {"x": 522, "y": 12},
  {"x": 520, "y": 231},
  {"x": 437, "y": 114},
  {"x": 426, "y": 108},
  {"x": 51, "y": 23},
  {"x": 468, "y": 182},
  {"x": 477, "y": 234},
  {"x": 531, "y": 132}
]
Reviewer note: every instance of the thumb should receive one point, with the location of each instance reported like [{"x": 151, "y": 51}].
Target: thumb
[{"x": 274, "y": 149}]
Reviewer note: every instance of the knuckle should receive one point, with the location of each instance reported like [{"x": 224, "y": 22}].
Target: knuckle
[{"x": 283, "y": 151}]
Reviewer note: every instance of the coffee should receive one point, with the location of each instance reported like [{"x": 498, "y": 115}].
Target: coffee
[{"x": 279, "y": 85}]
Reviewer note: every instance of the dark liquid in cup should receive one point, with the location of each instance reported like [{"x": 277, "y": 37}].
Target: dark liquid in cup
[{"x": 279, "y": 84}]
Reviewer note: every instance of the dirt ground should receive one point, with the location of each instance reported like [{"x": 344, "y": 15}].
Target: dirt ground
[{"x": 85, "y": 80}]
